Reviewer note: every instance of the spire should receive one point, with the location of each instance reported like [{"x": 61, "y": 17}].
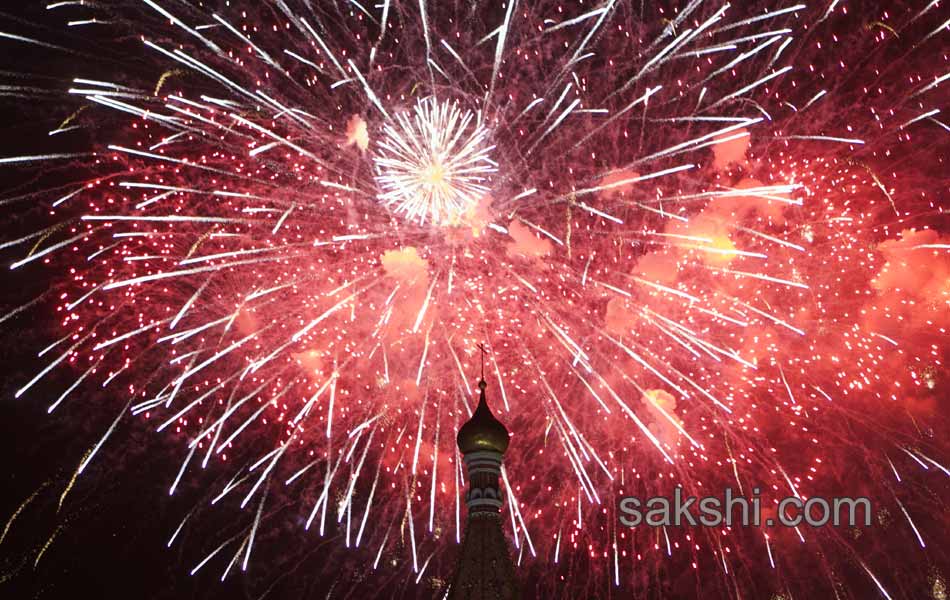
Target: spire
[{"x": 485, "y": 570}]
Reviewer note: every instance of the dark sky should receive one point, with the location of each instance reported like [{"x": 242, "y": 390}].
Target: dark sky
[{"x": 108, "y": 537}]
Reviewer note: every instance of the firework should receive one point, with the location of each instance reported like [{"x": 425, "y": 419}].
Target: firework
[
  {"x": 692, "y": 237},
  {"x": 434, "y": 164}
]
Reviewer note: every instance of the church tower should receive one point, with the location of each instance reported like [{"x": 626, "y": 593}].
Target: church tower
[{"x": 484, "y": 570}]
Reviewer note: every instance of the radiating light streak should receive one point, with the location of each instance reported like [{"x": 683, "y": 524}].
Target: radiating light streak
[
  {"x": 750, "y": 87},
  {"x": 181, "y": 525},
  {"x": 102, "y": 440},
  {"x": 346, "y": 504},
  {"x": 586, "y": 269},
  {"x": 174, "y": 486},
  {"x": 458, "y": 58},
  {"x": 266, "y": 472},
  {"x": 115, "y": 374},
  {"x": 264, "y": 55},
  {"x": 212, "y": 555},
  {"x": 23, "y": 307},
  {"x": 664, "y": 288},
  {"x": 557, "y": 103},
  {"x": 576, "y": 463},
  {"x": 66, "y": 3},
  {"x": 425, "y": 306},
  {"x": 768, "y": 237},
  {"x": 107, "y": 94},
  {"x": 527, "y": 108},
  {"x": 703, "y": 344},
  {"x": 513, "y": 504},
  {"x": 20, "y": 38},
  {"x": 943, "y": 26},
  {"x": 543, "y": 231},
  {"x": 525, "y": 194},
  {"x": 761, "y": 276},
  {"x": 219, "y": 355},
  {"x": 42, "y": 157},
  {"x": 626, "y": 409},
  {"x": 911, "y": 521},
  {"x": 309, "y": 404},
  {"x": 250, "y": 539},
  {"x": 74, "y": 385},
  {"x": 934, "y": 463},
  {"x": 821, "y": 138},
  {"x": 524, "y": 281},
  {"x": 458, "y": 365},
  {"x": 576, "y": 20},
  {"x": 572, "y": 347},
  {"x": 768, "y": 548},
  {"x": 719, "y": 315},
  {"x": 195, "y": 402},
  {"x": 412, "y": 532},
  {"x": 129, "y": 334},
  {"x": 300, "y": 472},
  {"x": 178, "y": 22},
  {"x": 631, "y": 180},
  {"x": 574, "y": 104},
  {"x": 612, "y": 288},
  {"x": 499, "y": 45},
  {"x": 769, "y": 14},
  {"x": 679, "y": 341},
  {"x": 773, "y": 318},
  {"x": 936, "y": 82},
  {"x": 230, "y": 410},
  {"x": 179, "y": 273},
  {"x": 708, "y": 50},
  {"x": 740, "y": 58},
  {"x": 681, "y": 40},
  {"x": 138, "y": 112},
  {"x": 184, "y": 335},
  {"x": 382, "y": 545},
  {"x": 234, "y": 559},
  {"x": 599, "y": 213},
  {"x": 608, "y": 8},
  {"x": 167, "y": 140},
  {"x": 50, "y": 366},
  {"x": 435, "y": 466},
  {"x": 309, "y": 326},
  {"x": 425, "y": 353},
  {"x": 875, "y": 580},
  {"x": 369, "y": 91},
  {"x": 234, "y": 483}
]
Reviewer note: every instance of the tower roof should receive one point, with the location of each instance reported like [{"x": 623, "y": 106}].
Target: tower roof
[{"x": 483, "y": 431}]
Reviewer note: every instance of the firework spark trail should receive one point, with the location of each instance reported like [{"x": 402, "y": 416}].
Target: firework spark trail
[{"x": 314, "y": 226}]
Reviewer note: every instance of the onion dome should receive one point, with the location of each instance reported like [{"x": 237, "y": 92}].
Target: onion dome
[{"x": 483, "y": 431}]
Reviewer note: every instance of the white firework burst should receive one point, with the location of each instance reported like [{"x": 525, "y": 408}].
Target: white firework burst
[{"x": 432, "y": 163}]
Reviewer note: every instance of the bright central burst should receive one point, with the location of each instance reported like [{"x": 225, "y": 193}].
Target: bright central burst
[{"x": 433, "y": 163}]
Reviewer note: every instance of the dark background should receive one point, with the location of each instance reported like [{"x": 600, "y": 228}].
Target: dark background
[{"x": 107, "y": 540}]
